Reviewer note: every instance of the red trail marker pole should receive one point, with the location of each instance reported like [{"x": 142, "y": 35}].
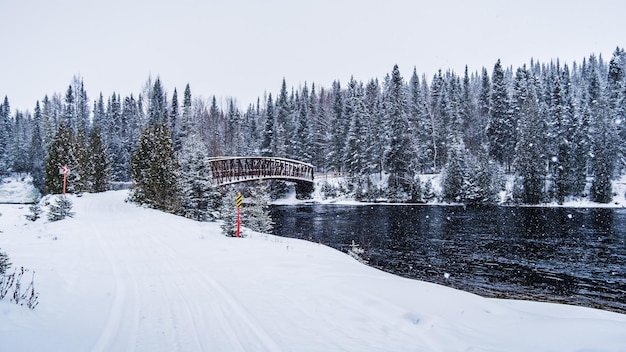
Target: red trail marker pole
[{"x": 65, "y": 171}]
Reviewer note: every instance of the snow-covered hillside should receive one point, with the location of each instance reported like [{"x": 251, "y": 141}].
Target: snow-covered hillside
[{"x": 118, "y": 277}]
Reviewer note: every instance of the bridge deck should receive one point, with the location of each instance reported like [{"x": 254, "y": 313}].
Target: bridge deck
[{"x": 229, "y": 170}]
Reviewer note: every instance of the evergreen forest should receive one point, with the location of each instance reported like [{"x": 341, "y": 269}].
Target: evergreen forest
[{"x": 557, "y": 130}]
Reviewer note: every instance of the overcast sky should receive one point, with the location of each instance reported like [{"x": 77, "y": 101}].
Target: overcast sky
[{"x": 243, "y": 48}]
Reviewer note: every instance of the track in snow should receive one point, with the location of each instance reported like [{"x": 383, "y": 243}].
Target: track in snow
[{"x": 161, "y": 300}]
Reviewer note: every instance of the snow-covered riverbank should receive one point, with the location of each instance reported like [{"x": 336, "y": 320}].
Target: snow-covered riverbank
[{"x": 120, "y": 277}]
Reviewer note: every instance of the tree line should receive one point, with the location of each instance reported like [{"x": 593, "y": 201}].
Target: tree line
[{"x": 557, "y": 130}]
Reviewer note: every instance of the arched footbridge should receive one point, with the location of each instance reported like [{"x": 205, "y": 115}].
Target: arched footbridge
[{"x": 230, "y": 170}]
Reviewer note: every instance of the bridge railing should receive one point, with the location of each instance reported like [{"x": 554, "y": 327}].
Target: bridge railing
[{"x": 229, "y": 170}]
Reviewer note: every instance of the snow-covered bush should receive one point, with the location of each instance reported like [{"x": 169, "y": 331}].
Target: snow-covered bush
[
  {"x": 35, "y": 212},
  {"x": 61, "y": 209}
]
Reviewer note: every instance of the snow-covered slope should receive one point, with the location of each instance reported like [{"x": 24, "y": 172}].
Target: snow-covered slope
[{"x": 118, "y": 277}]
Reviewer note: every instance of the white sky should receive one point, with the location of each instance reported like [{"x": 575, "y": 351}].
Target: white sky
[{"x": 243, "y": 48}]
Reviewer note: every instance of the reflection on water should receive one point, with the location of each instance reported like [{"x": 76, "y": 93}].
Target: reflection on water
[{"x": 575, "y": 256}]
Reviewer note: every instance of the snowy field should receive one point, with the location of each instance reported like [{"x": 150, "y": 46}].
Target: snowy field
[{"x": 118, "y": 277}]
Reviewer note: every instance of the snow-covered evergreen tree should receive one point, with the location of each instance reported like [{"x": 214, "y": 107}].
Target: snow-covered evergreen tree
[
  {"x": 530, "y": 148},
  {"x": 500, "y": 125},
  {"x": 81, "y": 167},
  {"x": 60, "y": 209},
  {"x": 400, "y": 153},
  {"x": 228, "y": 213},
  {"x": 20, "y": 146},
  {"x": 256, "y": 214},
  {"x": 454, "y": 176},
  {"x": 36, "y": 152},
  {"x": 60, "y": 154},
  {"x": 268, "y": 143},
  {"x": 603, "y": 140},
  {"x": 99, "y": 164},
  {"x": 200, "y": 198},
  {"x": 154, "y": 169},
  {"x": 357, "y": 145}
]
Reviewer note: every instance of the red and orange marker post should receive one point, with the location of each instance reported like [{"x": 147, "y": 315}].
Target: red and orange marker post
[
  {"x": 65, "y": 170},
  {"x": 239, "y": 204}
]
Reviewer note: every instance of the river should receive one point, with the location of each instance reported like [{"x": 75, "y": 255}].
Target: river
[{"x": 566, "y": 255}]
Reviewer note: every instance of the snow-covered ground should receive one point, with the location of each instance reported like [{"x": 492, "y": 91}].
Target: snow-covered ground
[{"x": 118, "y": 277}]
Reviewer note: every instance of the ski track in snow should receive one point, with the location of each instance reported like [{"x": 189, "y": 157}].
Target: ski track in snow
[
  {"x": 195, "y": 309},
  {"x": 123, "y": 278}
]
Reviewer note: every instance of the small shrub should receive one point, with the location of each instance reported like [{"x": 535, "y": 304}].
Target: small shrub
[
  {"x": 28, "y": 297},
  {"x": 4, "y": 263},
  {"x": 61, "y": 209},
  {"x": 35, "y": 212}
]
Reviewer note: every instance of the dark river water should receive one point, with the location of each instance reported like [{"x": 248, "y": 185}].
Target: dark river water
[{"x": 566, "y": 255}]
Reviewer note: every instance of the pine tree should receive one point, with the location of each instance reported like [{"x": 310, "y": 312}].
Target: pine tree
[
  {"x": 154, "y": 169},
  {"x": 6, "y": 136},
  {"x": 339, "y": 123},
  {"x": 454, "y": 178},
  {"x": 483, "y": 182},
  {"x": 304, "y": 133},
  {"x": 36, "y": 152},
  {"x": 99, "y": 166},
  {"x": 375, "y": 128},
  {"x": 500, "y": 125},
  {"x": 187, "y": 122},
  {"x": 199, "y": 196},
  {"x": 69, "y": 109},
  {"x": 228, "y": 213},
  {"x": 60, "y": 153},
  {"x": 19, "y": 148},
  {"x": 400, "y": 152},
  {"x": 60, "y": 209},
  {"x": 268, "y": 144},
  {"x": 356, "y": 143},
  {"x": 529, "y": 157},
  {"x": 157, "y": 110},
  {"x": 256, "y": 214},
  {"x": 560, "y": 111},
  {"x": 173, "y": 121},
  {"x": 282, "y": 125},
  {"x": 81, "y": 167},
  {"x": 603, "y": 140}
]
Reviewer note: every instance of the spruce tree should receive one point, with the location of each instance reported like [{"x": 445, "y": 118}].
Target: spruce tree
[
  {"x": 454, "y": 177},
  {"x": 200, "y": 198},
  {"x": 256, "y": 215},
  {"x": 228, "y": 213},
  {"x": 356, "y": 143},
  {"x": 500, "y": 125},
  {"x": 529, "y": 156},
  {"x": 400, "y": 153},
  {"x": 154, "y": 169},
  {"x": 60, "y": 153},
  {"x": 19, "y": 148},
  {"x": 268, "y": 144},
  {"x": 81, "y": 167},
  {"x": 36, "y": 153},
  {"x": 60, "y": 209},
  {"x": 603, "y": 140},
  {"x": 99, "y": 165}
]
